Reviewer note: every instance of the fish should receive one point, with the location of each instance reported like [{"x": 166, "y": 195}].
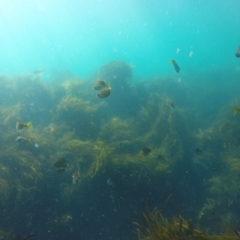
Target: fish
[
  {"x": 226, "y": 145},
  {"x": 76, "y": 177},
  {"x": 145, "y": 151},
  {"x": 236, "y": 110},
  {"x": 238, "y": 52},
  {"x": 198, "y": 151},
  {"x": 36, "y": 145},
  {"x": 18, "y": 237},
  {"x": 99, "y": 85},
  {"x": 191, "y": 53},
  {"x": 175, "y": 65},
  {"x": 21, "y": 125},
  {"x": 104, "y": 92},
  {"x": 21, "y": 139},
  {"x": 61, "y": 164},
  {"x": 170, "y": 105}
]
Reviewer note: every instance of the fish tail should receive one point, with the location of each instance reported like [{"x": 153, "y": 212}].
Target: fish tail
[
  {"x": 171, "y": 60},
  {"x": 29, "y": 124},
  {"x": 235, "y": 110}
]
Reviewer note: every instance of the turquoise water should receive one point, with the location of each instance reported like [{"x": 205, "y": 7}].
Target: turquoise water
[{"x": 82, "y": 35}]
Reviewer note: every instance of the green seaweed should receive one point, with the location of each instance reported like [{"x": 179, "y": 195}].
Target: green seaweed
[
  {"x": 160, "y": 228},
  {"x": 75, "y": 104},
  {"x": 102, "y": 154},
  {"x": 117, "y": 130}
]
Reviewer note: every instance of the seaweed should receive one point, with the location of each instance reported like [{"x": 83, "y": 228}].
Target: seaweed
[
  {"x": 117, "y": 130},
  {"x": 158, "y": 227},
  {"x": 75, "y": 104},
  {"x": 102, "y": 154},
  {"x": 10, "y": 114},
  {"x": 101, "y": 138}
]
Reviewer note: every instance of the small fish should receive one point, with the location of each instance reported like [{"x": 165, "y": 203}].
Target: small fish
[
  {"x": 99, "y": 85},
  {"x": 61, "y": 164},
  {"x": 21, "y": 125},
  {"x": 21, "y": 139},
  {"x": 238, "y": 52},
  {"x": 190, "y": 54},
  {"x": 175, "y": 65},
  {"x": 104, "y": 92},
  {"x": 236, "y": 110},
  {"x": 145, "y": 151},
  {"x": 198, "y": 151},
  {"x": 170, "y": 105},
  {"x": 226, "y": 145},
  {"x": 110, "y": 183},
  {"x": 76, "y": 177},
  {"x": 36, "y": 145}
]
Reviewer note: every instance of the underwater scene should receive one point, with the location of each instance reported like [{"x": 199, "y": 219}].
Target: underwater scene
[{"x": 119, "y": 120}]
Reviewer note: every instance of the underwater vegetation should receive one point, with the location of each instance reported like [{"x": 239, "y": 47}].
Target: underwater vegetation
[
  {"x": 102, "y": 154},
  {"x": 117, "y": 130},
  {"x": 10, "y": 113},
  {"x": 74, "y": 104},
  {"x": 139, "y": 143},
  {"x": 220, "y": 162},
  {"x": 158, "y": 227}
]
